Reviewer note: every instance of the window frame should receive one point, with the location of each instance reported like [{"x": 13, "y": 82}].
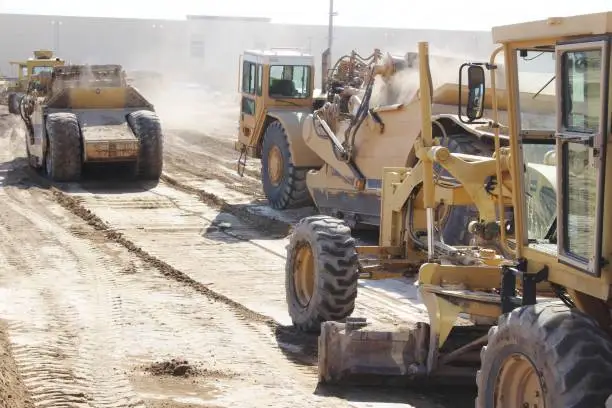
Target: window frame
[
  {"x": 597, "y": 143},
  {"x": 252, "y": 77},
  {"x": 307, "y": 68}
]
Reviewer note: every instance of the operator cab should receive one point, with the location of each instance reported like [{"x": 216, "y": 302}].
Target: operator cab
[
  {"x": 563, "y": 147},
  {"x": 272, "y": 79}
]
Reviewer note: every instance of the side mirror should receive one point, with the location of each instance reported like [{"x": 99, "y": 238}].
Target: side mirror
[{"x": 476, "y": 92}]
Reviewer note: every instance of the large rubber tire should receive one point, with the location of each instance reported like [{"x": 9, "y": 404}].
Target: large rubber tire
[
  {"x": 291, "y": 191},
  {"x": 12, "y": 102},
  {"x": 572, "y": 354},
  {"x": 147, "y": 128},
  {"x": 18, "y": 98},
  {"x": 335, "y": 272},
  {"x": 63, "y": 159},
  {"x": 455, "y": 229}
]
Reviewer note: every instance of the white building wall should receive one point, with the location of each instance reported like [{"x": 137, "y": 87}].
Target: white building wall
[{"x": 205, "y": 49}]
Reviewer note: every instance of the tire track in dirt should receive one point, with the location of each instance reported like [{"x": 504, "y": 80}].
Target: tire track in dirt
[
  {"x": 287, "y": 334},
  {"x": 79, "y": 337},
  {"x": 93, "y": 384}
]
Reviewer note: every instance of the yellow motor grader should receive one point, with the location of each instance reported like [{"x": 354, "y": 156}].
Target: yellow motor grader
[
  {"x": 43, "y": 61},
  {"x": 525, "y": 309},
  {"x": 87, "y": 114}
]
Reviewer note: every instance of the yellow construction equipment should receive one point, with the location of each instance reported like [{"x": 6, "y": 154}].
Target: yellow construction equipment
[
  {"x": 526, "y": 311},
  {"x": 87, "y": 114},
  {"x": 364, "y": 120},
  {"x": 43, "y": 61}
]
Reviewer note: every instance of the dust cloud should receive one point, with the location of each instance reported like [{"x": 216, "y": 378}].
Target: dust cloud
[
  {"x": 191, "y": 106},
  {"x": 444, "y": 65}
]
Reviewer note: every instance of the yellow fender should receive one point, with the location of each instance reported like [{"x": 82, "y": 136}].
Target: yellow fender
[{"x": 293, "y": 122}]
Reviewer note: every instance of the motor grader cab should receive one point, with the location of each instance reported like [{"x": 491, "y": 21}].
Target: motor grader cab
[
  {"x": 87, "y": 115},
  {"x": 525, "y": 313},
  {"x": 28, "y": 71}
]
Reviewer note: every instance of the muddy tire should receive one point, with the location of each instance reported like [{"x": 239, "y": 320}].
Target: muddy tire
[
  {"x": 283, "y": 184},
  {"x": 455, "y": 229},
  {"x": 11, "y": 102},
  {"x": 147, "y": 128},
  {"x": 573, "y": 356},
  {"x": 63, "y": 159},
  {"x": 321, "y": 272}
]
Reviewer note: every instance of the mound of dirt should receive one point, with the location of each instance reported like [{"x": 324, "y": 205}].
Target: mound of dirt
[
  {"x": 12, "y": 390},
  {"x": 174, "y": 367},
  {"x": 182, "y": 368}
]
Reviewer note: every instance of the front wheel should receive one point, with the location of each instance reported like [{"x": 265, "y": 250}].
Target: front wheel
[
  {"x": 321, "y": 272},
  {"x": 545, "y": 356},
  {"x": 11, "y": 102}
]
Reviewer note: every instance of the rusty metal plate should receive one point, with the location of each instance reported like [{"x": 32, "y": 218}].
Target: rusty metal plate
[{"x": 111, "y": 151}]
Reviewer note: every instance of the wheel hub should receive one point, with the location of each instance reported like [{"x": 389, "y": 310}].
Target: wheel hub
[
  {"x": 303, "y": 274},
  {"x": 275, "y": 165},
  {"x": 519, "y": 384}
]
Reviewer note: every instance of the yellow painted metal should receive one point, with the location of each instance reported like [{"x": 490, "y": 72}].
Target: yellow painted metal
[
  {"x": 111, "y": 150},
  {"x": 426, "y": 133},
  {"x": 275, "y": 165},
  {"x": 519, "y": 384},
  {"x": 97, "y": 98},
  {"x": 554, "y": 28},
  {"x": 304, "y": 274},
  {"x": 476, "y": 278},
  {"x": 442, "y": 315}
]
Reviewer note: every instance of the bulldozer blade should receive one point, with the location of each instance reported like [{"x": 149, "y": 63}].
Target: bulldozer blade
[{"x": 352, "y": 353}]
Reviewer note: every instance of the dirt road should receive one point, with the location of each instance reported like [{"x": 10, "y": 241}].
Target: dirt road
[{"x": 154, "y": 296}]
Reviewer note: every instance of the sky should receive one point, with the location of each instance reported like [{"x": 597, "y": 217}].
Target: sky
[{"x": 443, "y": 14}]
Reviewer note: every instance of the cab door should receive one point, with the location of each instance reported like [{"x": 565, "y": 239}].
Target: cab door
[
  {"x": 250, "y": 93},
  {"x": 582, "y": 138}
]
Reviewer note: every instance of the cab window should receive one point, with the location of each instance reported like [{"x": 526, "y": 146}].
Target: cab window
[
  {"x": 248, "y": 77},
  {"x": 38, "y": 70},
  {"x": 289, "y": 81},
  {"x": 581, "y": 114}
]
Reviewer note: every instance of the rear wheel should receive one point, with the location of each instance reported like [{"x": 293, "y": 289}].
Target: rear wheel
[
  {"x": 321, "y": 272},
  {"x": 63, "y": 156},
  {"x": 147, "y": 128},
  {"x": 284, "y": 185},
  {"x": 545, "y": 356}
]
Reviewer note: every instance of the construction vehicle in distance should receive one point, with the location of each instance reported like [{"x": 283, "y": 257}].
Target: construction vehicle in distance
[
  {"x": 87, "y": 114},
  {"x": 277, "y": 87},
  {"x": 43, "y": 61},
  {"x": 527, "y": 314}
]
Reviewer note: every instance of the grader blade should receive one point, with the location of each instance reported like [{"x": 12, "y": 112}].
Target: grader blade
[{"x": 352, "y": 353}]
